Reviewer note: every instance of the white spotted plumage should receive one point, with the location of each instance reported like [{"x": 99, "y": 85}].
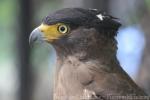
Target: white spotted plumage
[{"x": 100, "y": 16}]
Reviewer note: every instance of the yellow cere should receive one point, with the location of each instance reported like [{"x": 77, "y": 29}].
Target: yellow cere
[{"x": 52, "y": 32}]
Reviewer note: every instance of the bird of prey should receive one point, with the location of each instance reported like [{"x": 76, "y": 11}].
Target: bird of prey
[{"x": 87, "y": 67}]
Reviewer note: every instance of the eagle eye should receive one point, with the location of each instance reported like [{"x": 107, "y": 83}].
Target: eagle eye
[{"x": 63, "y": 29}]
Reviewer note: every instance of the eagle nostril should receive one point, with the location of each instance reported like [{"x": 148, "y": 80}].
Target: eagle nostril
[{"x": 42, "y": 30}]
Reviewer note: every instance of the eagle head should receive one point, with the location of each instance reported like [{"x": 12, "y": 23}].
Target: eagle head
[{"x": 76, "y": 29}]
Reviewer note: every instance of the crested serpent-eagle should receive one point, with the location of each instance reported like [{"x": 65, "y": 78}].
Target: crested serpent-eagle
[{"x": 87, "y": 67}]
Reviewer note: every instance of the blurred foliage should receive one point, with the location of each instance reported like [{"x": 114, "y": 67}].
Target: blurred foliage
[
  {"x": 147, "y": 2},
  {"x": 45, "y": 7},
  {"x": 7, "y": 25},
  {"x": 40, "y": 56}
]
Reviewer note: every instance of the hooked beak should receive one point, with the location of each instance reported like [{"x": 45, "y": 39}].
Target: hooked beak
[{"x": 36, "y": 35}]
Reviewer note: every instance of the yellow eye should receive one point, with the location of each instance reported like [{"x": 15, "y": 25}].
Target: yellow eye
[{"x": 63, "y": 29}]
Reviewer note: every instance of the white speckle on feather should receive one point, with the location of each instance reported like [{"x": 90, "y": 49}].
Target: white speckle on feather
[
  {"x": 94, "y": 9},
  {"x": 88, "y": 94},
  {"x": 100, "y": 16}
]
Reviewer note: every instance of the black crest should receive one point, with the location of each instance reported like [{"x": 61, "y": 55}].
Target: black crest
[{"x": 76, "y": 17}]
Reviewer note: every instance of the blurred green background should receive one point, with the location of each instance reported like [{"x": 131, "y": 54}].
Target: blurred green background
[{"x": 27, "y": 74}]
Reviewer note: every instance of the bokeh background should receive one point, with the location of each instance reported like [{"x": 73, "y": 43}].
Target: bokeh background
[{"x": 27, "y": 74}]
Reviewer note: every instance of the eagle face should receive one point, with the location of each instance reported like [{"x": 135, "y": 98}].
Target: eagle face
[{"x": 75, "y": 28}]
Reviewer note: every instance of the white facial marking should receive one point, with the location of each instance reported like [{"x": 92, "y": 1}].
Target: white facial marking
[{"x": 100, "y": 16}]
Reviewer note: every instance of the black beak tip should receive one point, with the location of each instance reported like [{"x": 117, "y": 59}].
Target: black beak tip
[
  {"x": 36, "y": 35},
  {"x": 32, "y": 39}
]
